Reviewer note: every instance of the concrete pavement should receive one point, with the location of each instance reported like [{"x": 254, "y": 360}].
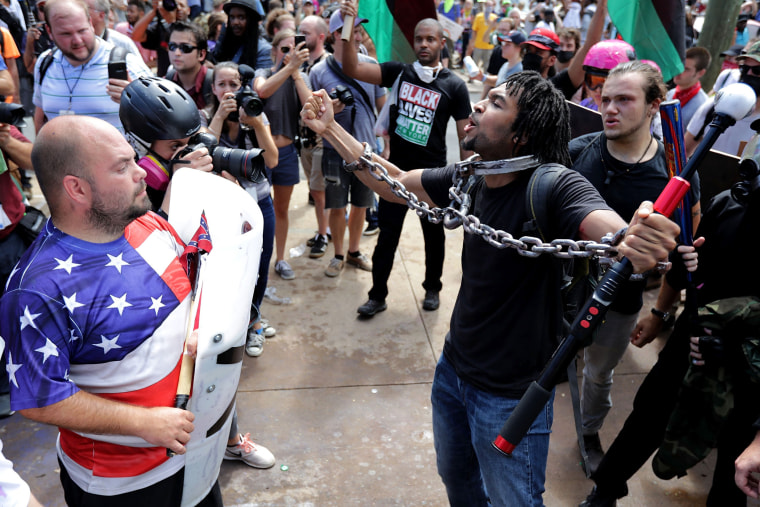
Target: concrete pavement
[{"x": 343, "y": 403}]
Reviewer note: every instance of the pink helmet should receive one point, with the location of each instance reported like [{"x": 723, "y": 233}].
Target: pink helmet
[{"x": 604, "y": 56}]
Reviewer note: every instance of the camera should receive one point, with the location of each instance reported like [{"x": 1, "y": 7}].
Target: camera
[
  {"x": 12, "y": 113},
  {"x": 343, "y": 94},
  {"x": 245, "y": 164},
  {"x": 169, "y": 5},
  {"x": 245, "y": 97}
]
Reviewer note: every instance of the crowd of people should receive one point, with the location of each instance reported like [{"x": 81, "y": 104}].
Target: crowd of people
[{"x": 122, "y": 95}]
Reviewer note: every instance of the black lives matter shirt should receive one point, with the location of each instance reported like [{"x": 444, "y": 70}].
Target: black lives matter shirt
[
  {"x": 507, "y": 318},
  {"x": 418, "y": 121}
]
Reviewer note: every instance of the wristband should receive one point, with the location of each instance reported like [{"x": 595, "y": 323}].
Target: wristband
[
  {"x": 666, "y": 317},
  {"x": 483, "y": 79}
]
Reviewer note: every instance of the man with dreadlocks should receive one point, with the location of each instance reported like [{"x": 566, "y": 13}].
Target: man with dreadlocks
[{"x": 492, "y": 351}]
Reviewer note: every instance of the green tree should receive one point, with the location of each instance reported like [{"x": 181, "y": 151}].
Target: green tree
[{"x": 716, "y": 36}]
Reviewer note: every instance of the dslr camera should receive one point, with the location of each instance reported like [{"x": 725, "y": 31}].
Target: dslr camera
[
  {"x": 12, "y": 114},
  {"x": 245, "y": 97},
  {"x": 244, "y": 164},
  {"x": 343, "y": 94}
]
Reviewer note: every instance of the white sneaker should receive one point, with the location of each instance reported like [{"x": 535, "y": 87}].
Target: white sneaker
[
  {"x": 254, "y": 344},
  {"x": 249, "y": 453},
  {"x": 269, "y": 331}
]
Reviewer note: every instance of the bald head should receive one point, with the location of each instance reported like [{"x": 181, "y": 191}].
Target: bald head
[
  {"x": 65, "y": 8},
  {"x": 432, "y": 23},
  {"x": 317, "y": 24},
  {"x": 65, "y": 146}
]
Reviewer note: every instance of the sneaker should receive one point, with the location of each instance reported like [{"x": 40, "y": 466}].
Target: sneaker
[
  {"x": 596, "y": 499},
  {"x": 371, "y": 307},
  {"x": 318, "y": 247},
  {"x": 334, "y": 268},
  {"x": 283, "y": 269},
  {"x": 269, "y": 331},
  {"x": 254, "y": 343},
  {"x": 371, "y": 230},
  {"x": 431, "y": 301},
  {"x": 594, "y": 452},
  {"x": 360, "y": 261},
  {"x": 249, "y": 453}
]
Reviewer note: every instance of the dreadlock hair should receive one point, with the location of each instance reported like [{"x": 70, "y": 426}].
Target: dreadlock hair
[
  {"x": 228, "y": 44},
  {"x": 543, "y": 118}
]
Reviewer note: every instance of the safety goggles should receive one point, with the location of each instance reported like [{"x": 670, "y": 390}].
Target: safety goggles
[
  {"x": 746, "y": 69},
  {"x": 594, "y": 82},
  {"x": 184, "y": 47}
]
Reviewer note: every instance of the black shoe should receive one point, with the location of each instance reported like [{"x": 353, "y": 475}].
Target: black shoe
[
  {"x": 371, "y": 307},
  {"x": 318, "y": 247},
  {"x": 596, "y": 499},
  {"x": 431, "y": 301},
  {"x": 594, "y": 452}
]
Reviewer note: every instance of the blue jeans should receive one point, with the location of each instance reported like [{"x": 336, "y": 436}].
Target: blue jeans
[
  {"x": 465, "y": 422},
  {"x": 267, "y": 211}
]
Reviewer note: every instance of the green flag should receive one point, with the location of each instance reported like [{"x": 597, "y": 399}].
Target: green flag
[{"x": 655, "y": 28}]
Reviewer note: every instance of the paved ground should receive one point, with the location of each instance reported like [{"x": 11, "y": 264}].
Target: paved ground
[{"x": 344, "y": 403}]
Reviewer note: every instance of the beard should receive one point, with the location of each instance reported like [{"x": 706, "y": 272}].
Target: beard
[{"x": 113, "y": 220}]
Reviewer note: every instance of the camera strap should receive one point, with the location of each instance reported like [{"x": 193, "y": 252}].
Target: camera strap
[{"x": 352, "y": 82}]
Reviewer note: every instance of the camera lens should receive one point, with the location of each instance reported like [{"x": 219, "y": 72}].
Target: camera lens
[
  {"x": 247, "y": 164},
  {"x": 253, "y": 106}
]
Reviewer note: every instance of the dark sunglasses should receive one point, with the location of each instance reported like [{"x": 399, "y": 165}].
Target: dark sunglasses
[
  {"x": 746, "y": 69},
  {"x": 285, "y": 50},
  {"x": 594, "y": 81},
  {"x": 184, "y": 47}
]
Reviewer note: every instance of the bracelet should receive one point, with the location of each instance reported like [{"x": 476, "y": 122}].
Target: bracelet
[{"x": 360, "y": 163}]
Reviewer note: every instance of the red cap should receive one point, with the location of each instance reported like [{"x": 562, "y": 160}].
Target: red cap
[{"x": 543, "y": 38}]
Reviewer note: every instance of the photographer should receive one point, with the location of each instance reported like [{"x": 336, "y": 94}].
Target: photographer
[
  {"x": 154, "y": 129},
  {"x": 153, "y": 29},
  {"x": 356, "y": 101},
  {"x": 284, "y": 88},
  {"x": 232, "y": 126}
]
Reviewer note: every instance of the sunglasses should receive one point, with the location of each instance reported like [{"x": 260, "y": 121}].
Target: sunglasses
[
  {"x": 746, "y": 69},
  {"x": 285, "y": 50},
  {"x": 184, "y": 47},
  {"x": 594, "y": 82}
]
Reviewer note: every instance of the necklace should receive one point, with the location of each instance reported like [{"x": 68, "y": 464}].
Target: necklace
[
  {"x": 611, "y": 173},
  {"x": 66, "y": 80}
]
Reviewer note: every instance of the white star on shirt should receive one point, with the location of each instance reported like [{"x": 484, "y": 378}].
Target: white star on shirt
[
  {"x": 157, "y": 304},
  {"x": 117, "y": 262},
  {"x": 73, "y": 336},
  {"x": 71, "y": 302},
  {"x": 28, "y": 319},
  {"x": 107, "y": 344},
  {"x": 68, "y": 264},
  {"x": 12, "y": 369},
  {"x": 49, "y": 349},
  {"x": 119, "y": 303}
]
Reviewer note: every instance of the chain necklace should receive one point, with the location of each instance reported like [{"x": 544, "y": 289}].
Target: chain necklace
[{"x": 610, "y": 172}]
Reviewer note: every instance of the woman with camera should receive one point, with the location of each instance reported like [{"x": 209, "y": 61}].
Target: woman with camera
[
  {"x": 235, "y": 129},
  {"x": 284, "y": 88}
]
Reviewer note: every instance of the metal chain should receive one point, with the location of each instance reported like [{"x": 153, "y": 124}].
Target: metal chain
[{"x": 527, "y": 246}]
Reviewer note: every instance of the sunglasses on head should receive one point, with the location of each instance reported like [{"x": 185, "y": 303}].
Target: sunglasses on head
[
  {"x": 184, "y": 47},
  {"x": 594, "y": 81},
  {"x": 285, "y": 50},
  {"x": 746, "y": 69}
]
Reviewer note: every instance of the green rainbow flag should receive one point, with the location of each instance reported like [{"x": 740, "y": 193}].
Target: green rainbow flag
[
  {"x": 655, "y": 28},
  {"x": 391, "y": 25}
]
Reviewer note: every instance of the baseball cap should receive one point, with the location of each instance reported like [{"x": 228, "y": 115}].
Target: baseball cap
[
  {"x": 336, "y": 21},
  {"x": 753, "y": 52},
  {"x": 516, "y": 37},
  {"x": 734, "y": 50},
  {"x": 543, "y": 38}
]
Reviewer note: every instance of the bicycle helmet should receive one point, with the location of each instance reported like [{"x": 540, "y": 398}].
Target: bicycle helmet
[
  {"x": 604, "y": 56},
  {"x": 153, "y": 108}
]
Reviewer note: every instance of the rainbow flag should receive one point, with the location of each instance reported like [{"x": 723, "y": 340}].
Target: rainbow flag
[{"x": 391, "y": 26}]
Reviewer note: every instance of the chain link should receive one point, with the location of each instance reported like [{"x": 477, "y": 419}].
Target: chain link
[{"x": 453, "y": 217}]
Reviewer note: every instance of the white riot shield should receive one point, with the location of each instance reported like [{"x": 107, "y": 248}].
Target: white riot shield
[{"x": 228, "y": 277}]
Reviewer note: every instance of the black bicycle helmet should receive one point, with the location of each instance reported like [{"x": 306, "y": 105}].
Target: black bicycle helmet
[{"x": 153, "y": 108}]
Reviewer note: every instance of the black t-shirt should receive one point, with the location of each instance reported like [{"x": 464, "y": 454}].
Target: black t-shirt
[
  {"x": 624, "y": 187},
  {"x": 418, "y": 121},
  {"x": 507, "y": 319},
  {"x": 562, "y": 82},
  {"x": 157, "y": 38},
  {"x": 495, "y": 61}
]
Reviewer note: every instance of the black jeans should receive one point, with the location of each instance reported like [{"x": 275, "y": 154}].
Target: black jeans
[
  {"x": 645, "y": 427},
  {"x": 391, "y": 220}
]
